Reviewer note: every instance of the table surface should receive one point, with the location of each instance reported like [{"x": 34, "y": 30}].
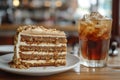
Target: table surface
[{"x": 110, "y": 72}]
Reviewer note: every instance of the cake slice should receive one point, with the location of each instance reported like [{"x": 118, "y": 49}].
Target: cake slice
[{"x": 38, "y": 46}]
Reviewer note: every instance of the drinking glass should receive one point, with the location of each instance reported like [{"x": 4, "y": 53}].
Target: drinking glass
[{"x": 94, "y": 39}]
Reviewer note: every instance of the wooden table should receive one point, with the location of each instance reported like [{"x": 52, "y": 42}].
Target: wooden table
[{"x": 111, "y": 72}]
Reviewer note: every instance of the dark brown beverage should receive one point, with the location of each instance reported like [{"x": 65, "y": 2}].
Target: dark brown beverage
[
  {"x": 94, "y": 50},
  {"x": 94, "y": 37}
]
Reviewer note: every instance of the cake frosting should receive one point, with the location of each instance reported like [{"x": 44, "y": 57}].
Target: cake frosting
[{"x": 37, "y": 30}]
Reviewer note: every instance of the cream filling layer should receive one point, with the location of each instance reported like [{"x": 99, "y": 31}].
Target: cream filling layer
[
  {"x": 44, "y": 61},
  {"x": 42, "y": 35},
  {"x": 41, "y": 44},
  {"x": 43, "y": 53}
]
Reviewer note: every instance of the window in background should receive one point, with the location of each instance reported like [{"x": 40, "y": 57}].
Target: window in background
[{"x": 86, "y": 6}]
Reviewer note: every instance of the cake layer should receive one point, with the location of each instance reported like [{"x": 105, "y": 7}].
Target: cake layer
[
  {"x": 24, "y": 64},
  {"x": 42, "y": 39},
  {"x": 41, "y": 57},
  {"x": 43, "y": 49},
  {"x": 43, "y": 64},
  {"x": 51, "y": 62}
]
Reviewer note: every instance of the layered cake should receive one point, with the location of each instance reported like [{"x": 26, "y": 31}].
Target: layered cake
[{"x": 38, "y": 46}]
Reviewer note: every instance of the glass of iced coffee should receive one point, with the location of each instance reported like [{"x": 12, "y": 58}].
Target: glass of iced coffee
[{"x": 94, "y": 37}]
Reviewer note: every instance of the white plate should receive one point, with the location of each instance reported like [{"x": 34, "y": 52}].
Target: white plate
[
  {"x": 6, "y": 48},
  {"x": 72, "y": 61}
]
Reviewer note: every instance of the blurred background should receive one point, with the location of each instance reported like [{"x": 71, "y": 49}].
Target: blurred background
[{"x": 59, "y": 14}]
